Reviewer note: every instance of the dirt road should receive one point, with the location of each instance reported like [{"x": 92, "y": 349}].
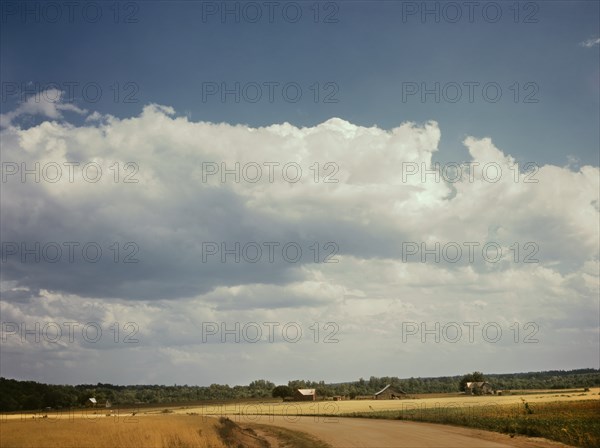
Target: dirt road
[{"x": 358, "y": 432}]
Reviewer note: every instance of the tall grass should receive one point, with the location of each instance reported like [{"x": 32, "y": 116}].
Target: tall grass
[
  {"x": 167, "y": 431},
  {"x": 571, "y": 422}
]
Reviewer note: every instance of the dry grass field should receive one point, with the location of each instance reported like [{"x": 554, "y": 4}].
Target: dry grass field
[
  {"x": 167, "y": 430},
  {"x": 164, "y": 431},
  {"x": 331, "y": 409},
  {"x": 561, "y": 415}
]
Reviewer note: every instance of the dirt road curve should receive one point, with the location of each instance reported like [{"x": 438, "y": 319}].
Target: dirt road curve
[{"x": 358, "y": 432}]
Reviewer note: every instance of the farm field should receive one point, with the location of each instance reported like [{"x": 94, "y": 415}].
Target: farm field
[
  {"x": 147, "y": 432},
  {"x": 326, "y": 409},
  {"x": 337, "y": 408},
  {"x": 570, "y": 417},
  {"x": 167, "y": 430}
]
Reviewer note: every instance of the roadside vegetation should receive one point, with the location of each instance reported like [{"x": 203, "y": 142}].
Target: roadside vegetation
[{"x": 575, "y": 423}]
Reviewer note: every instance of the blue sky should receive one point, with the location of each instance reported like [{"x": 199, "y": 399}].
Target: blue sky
[
  {"x": 160, "y": 119},
  {"x": 369, "y": 53}
]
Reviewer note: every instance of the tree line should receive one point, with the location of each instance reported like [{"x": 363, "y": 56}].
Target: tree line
[{"x": 30, "y": 395}]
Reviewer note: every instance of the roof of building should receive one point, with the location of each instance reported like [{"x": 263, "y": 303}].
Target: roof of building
[
  {"x": 307, "y": 391},
  {"x": 93, "y": 400},
  {"x": 477, "y": 384},
  {"x": 383, "y": 390},
  {"x": 392, "y": 390}
]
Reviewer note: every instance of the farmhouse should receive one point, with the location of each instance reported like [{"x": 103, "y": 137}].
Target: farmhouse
[
  {"x": 305, "y": 395},
  {"x": 387, "y": 393},
  {"x": 479, "y": 388},
  {"x": 91, "y": 402}
]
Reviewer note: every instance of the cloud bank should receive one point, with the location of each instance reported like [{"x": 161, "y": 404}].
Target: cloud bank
[{"x": 170, "y": 224}]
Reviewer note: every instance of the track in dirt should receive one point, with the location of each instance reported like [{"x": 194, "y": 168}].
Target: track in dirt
[{"x": 359, "y": 432}]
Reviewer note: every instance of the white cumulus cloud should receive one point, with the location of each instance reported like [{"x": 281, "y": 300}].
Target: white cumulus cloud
[{"x": 150, "y": 188}]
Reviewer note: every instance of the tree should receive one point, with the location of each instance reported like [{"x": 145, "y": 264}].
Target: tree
[
  {"x": 470, "y": 378},
  {"x": 32, "y": 402},
  {"x": 282, "y": 391},
  {"x": 260, "y": 388},
  {"x": 297, "y": 384},
  {"x": 353, "y": 392}
]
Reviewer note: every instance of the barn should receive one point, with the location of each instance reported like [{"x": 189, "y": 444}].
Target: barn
[
  {"x": 387, "y": 393},
  {"x": 479, "y": 388},
  {"x": 305, "y": 395}
]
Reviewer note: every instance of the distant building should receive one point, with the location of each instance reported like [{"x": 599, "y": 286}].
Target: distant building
[
  {"x": 305, "y": 395},
  {"x": 91, "y": 402},
  {"x": 479, "y": 388},
  {"x": 387, "y": 393}
]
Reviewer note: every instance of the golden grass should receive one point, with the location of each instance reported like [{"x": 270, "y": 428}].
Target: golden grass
[
  {"x": 153, "y": 427},
  {"x": 332, "y": 409},
  {"x": 570, "y": 422},
  {"x": 166, "y": 431}
]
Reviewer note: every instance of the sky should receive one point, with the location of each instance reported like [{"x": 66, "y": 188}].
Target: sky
[{"x": 217, "y": 192}]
